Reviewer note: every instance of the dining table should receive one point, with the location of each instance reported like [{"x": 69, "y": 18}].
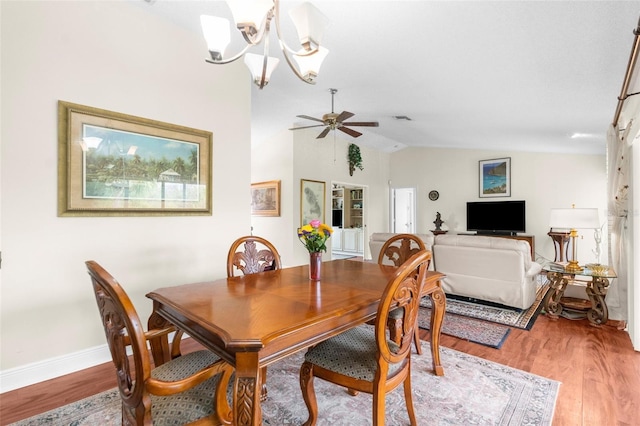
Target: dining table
[{"x": 254, "y": 320}]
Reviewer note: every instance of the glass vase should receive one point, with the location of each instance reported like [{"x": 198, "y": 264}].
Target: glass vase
[{"x": 315, "y": 266}]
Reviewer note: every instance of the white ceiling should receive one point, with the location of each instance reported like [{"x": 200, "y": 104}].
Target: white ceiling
[{"x": 499, "y": 75}]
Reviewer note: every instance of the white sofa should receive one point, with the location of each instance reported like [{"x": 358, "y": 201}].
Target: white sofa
[{"x": 493, "y": 269}]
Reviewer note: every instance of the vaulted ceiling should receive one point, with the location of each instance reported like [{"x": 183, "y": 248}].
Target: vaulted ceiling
[{"x": 500, "y": 75}]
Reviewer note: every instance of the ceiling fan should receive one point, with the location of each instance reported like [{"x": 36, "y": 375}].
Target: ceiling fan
[{"x": 334, "y": 121}]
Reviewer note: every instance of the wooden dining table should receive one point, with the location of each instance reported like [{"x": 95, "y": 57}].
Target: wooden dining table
[{"x": 254, "y": 320}]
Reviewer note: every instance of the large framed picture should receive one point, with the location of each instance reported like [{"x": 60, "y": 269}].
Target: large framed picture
[
  {"x": 113, "y": 164},
  {"x": 265, "y": 198},
  {"x": 312, "y": 197},
  {"x": 495, "y": 178}
]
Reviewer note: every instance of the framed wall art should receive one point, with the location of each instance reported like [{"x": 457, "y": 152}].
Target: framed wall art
[
  {"x": 312, "y": 198},
  {"x": 495, "y": 178},
  {"x": 265, "y": 198},
  {"x": 113, "y": 164}
]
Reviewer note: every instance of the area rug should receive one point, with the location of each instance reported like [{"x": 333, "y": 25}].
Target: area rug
[
  {"x": 472, "y": 391},
  {"x": 474, "y": 330},
  {"x": 487, "y": 311}
]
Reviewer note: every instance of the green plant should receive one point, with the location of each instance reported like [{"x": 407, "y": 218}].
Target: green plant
[{"x": 355, "y": 159}]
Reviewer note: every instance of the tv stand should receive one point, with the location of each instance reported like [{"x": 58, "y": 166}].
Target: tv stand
[{"x": 497, "y": 233}]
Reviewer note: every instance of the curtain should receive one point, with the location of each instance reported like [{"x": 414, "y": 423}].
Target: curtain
[{"x": 618, "y": 157}]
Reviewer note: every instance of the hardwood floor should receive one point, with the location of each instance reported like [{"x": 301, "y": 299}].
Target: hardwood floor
[{"x": 598, "y": 368}]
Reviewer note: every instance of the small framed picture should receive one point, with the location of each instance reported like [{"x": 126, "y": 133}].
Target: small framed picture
[
  {"x": 312, "y": 195},
  {"x": 495, "y": 178},
  {"x": 265, "y": 198}
]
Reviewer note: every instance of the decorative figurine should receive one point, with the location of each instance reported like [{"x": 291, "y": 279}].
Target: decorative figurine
[{"x": 438, "y": 222}]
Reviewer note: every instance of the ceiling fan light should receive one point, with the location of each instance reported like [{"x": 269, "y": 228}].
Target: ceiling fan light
[
  {"x": 216, "y": 32},
  {"x": 310, "y": 24},
  {"x": 255, "y": 63},
  {"x": 309, "y": 65},
  {"x": 248, "y": 15}
]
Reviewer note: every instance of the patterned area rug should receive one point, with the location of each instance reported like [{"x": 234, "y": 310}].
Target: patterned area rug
[
  {"x": 472, "y": 391},
  {"x": 471, "y": 329},
  {"x": 482, "y": 322}
]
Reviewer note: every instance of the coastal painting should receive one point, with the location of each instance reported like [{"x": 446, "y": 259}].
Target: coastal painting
[
  {"x": 114, "y": 164},
  {"x": 495, "y": 177}
]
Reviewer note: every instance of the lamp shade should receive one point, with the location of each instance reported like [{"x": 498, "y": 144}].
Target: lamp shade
[
  {"x": 217, "y": 33},
  {"x": 310, "y": 24},
  {"x": 309, "y": 65},
  {"x": 574, "y": 218},
  {"x": 255, "y": 64},
  {"x": 249, "y": 12}
]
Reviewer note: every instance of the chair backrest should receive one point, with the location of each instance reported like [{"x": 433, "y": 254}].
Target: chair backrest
[
  {"x": 403, "y": 291},
  {"x": 399, "y": 248},
  {"x": 123, "y": 328},
  {"x": 256, "y": 255}
]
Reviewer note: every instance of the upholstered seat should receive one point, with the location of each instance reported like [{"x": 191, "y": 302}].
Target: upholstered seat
[
  {"x": 364, "y": 359},
  {"x": 189, "y": 388}
]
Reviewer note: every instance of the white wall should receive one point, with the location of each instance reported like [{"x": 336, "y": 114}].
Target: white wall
[
  {"x": 544, "y": 181},
  {"x": 110, "y": 55}
]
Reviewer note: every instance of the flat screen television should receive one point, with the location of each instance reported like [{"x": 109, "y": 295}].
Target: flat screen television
[{"x": 496, "y": 217}]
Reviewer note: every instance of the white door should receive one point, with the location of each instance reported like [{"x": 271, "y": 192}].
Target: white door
[{"x": 403, "y": 210}]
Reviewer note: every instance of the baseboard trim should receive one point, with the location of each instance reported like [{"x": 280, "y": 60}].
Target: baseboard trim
[{"x": 51, "y": 368}]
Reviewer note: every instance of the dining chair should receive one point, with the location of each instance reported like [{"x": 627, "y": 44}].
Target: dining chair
[
  {"x": 251, "y": 254},
  {"x": 396, "y": 250},
  {"x": 363, "y": 358},
  {"x": 186, "y": 389}
]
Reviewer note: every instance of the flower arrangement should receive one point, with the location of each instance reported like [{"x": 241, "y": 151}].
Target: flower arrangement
[{"x": 314, "y": 236}]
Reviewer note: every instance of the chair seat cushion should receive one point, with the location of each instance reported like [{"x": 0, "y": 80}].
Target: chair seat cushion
[
  {"x": 191, "y": 405},
  {"x": 352, "y": 353}
]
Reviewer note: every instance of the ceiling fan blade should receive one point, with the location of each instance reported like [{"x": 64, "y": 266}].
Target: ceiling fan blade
[
  {"x": 324, "y": 133},
  {"x": 361, "y": 123},
  {"x": 343, "y": 116},
  {"x": 310, "y": 118},
  {"x": 306, "y": 127},
  {"x": 349, "y": 131}
]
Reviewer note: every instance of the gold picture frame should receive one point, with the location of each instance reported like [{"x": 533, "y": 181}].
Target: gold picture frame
[
  {"x": 114, "y": 164},
  {"x": 265, "y": 198},
  {"x": 312, "y": 200}
]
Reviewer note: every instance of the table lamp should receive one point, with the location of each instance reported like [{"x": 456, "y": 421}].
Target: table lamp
[{"x": 574, "y": 219}]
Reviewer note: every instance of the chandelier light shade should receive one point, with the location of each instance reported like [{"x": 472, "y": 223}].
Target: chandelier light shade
[
  {"x": 253, "y": 20},
  {"x": 574, "y": 219},
  {"x": 260, "y": 72}
]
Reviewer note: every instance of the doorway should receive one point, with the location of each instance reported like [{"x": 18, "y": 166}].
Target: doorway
[
  {"x": 349, "y": 220},
  {"x": 403, "y": 210}
]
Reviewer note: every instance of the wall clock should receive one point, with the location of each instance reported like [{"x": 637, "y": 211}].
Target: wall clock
[{"x": 433, "y": 195}]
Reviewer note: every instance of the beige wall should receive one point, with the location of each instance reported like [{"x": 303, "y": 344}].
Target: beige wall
[
  {"x": 110, "y": 55},
  {"x": 544, "y": 181}
]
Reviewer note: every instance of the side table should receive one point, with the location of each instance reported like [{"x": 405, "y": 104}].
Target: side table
[{"x": 596, "y": 289}]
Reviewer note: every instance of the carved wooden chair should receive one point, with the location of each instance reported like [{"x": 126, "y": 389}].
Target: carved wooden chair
[
  {"x": 250, "y": 255},
  {"x": 397, "y": 250},
  {"x": 363, "y": 358},
  {"x": 186, "y": 389},
  {"x": 256, "y": 255}
]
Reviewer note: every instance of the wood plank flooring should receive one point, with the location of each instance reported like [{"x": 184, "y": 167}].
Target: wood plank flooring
[{"x": 598, "y": 368}]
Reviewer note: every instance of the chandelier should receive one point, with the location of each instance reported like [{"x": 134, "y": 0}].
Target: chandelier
[{"x": 253, "y": 20}]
